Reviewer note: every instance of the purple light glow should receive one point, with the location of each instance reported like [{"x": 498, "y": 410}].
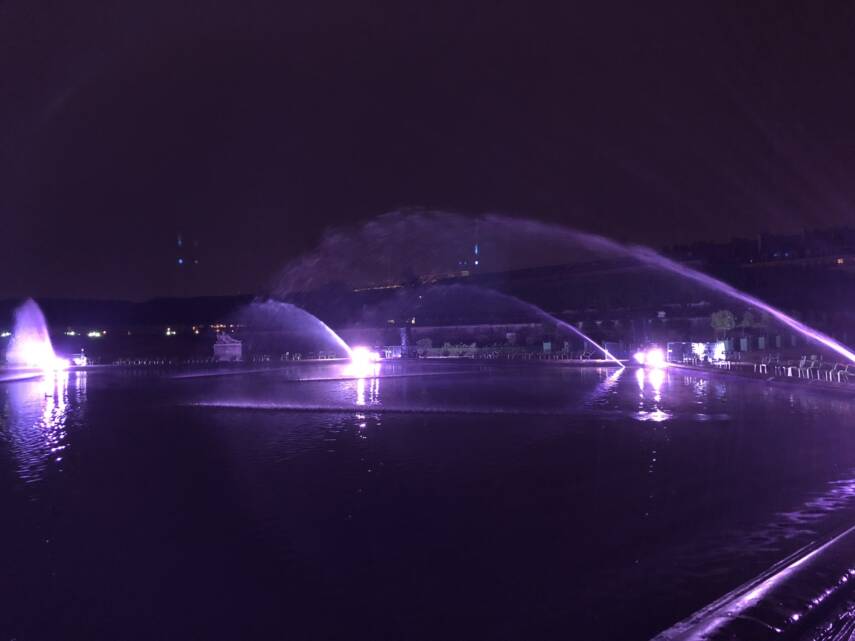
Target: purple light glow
[
  {"x": 591, "y": 341},
  {"x": 516, "y": 236},
  {"x": 363, "y": 355},
  {"x": 647, "y": 256},
  {"x": 657, "y": 377},
  {"x": 650, "y": 257},
  {"x": 31, "y": 346},
  {"x": 653, "y": 358},
  {"x": 656, "y": 358},
  {"x": 363, "y": 362}
]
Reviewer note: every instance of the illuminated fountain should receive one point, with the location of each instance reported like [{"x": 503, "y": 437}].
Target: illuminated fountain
[
  {"x": 476, "y": 303},
  {"x": 385, "y": 244},
  {"x": 30, "y": 346},
  {"x": 279, "y": 325},
  {"x": 284, "y": 325},
  {"x": 545, "y": 316},
  {"x": 653, "y": 259}
]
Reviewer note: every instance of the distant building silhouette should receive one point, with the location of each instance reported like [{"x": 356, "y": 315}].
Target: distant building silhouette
[{"x": 834, "y": 246}]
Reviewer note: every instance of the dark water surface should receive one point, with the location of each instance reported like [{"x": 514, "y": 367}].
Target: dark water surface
[{"x": 440, "y": 501}]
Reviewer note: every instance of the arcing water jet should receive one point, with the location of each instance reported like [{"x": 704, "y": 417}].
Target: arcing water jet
[
  {"x": 480, "y": 301},
  {"x": 653, "y": 259},
  {"x": 370, "y": 254},
  {"x": 276, "y": 317}
]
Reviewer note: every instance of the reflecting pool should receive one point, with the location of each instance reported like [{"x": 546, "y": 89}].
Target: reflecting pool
[{"x": 425, "y": 500}]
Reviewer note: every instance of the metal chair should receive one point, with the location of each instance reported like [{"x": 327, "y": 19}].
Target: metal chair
[
  {"x": 825, "y": 371},
  {"x": 796, "y": 368},
  {"x": 804, "y": 367},
  {"x": 813, "y": 368}
]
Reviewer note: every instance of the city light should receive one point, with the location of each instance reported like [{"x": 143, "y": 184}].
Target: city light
[{"x": 95, "y": 334}]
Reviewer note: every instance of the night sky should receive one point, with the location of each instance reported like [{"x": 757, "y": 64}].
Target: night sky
[{"x": 252, "y": 126}]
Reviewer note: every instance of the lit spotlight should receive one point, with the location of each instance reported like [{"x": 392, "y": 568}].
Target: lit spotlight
[
  {"x": 653, "y": 358},
  {"x": 363, "y": 362},
  {"x": 656, "y": 358}
]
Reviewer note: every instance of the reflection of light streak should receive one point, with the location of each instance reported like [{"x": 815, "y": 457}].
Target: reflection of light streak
[
  {"x": 373, "y": 391},
  {"x": 657, "y": 416},
  {"x": 612, "y": 379},
  {"x": 38, "y": 414},
  {"x": 656, "y": 378},
  {"x": 54, "y": 411},
  {"x": 605, "y": 386},
  {"x": 360, "y": 391}
]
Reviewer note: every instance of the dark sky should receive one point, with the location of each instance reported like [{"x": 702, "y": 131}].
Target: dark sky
[{"x": 253, "y": 125}]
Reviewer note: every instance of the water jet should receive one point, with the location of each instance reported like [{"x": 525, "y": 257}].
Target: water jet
[{"x": 30, "y": 345}]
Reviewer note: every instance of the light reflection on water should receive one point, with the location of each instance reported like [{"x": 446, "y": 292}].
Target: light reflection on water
[
  {"x": 736, "y": 477},
  {"x": 607, "y": 388},
  {"x": 373, "y": 391},
  {"x": 35, "y": 420},
  {"x": 650, "y": 383}
]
